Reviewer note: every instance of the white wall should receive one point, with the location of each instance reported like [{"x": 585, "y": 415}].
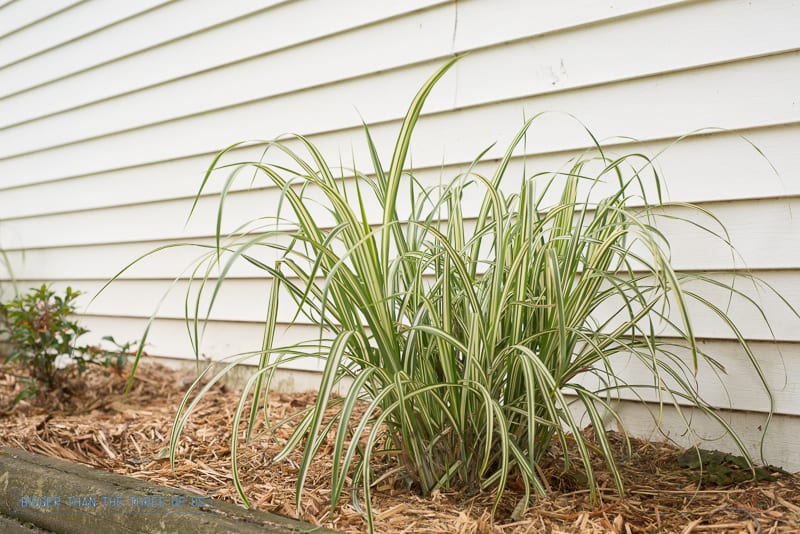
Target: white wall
[{"x": 111, "y": 111}]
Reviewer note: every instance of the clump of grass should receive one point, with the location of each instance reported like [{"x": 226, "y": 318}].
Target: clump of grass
[{"x": 474, "y": 338}]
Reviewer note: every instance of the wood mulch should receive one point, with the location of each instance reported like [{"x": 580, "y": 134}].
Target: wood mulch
[{"x": 92, "y": 425}]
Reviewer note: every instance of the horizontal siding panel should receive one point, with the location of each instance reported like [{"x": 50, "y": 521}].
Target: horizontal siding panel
[
  {"x": 722, "y": 166},
  {"x": 780, "y": 446},
  {"x": 229, "y": 44},
  {"x": 558, "y": 62},
  {"x": 83, "y": 19},
  {"x": 655, "y": 108},
  {"x": 764, "y": 232},
  {"x": 181, "y": 40},
  {"x": 580, "y": 57},
  {"x": 167, "y": 180},
  {"x": 480, "y": 24},
  {"x": 684, "y": 104},
  {"x": 240, "y": 300},
  {"x": 341, "y": 56},
  {"x": 101, "y": 262},
  {"x": 772, "y": 248},
  {"x": 23, "y": 13},
  {"x": 245, "y": 300},
  {"x": 737, "y": 389},
  {"x": 169, "y": 338},
  {"x": 174, "y": 21},
  {"x": 725, "y": 166},
  {"x": 741, "y": 307}
]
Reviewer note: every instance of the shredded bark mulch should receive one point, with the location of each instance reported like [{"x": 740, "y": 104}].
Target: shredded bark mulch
[{"x": 91, "y": 423}]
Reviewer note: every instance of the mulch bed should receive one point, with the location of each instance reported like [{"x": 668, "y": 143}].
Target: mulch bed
[{"x": 92, "y": 425}]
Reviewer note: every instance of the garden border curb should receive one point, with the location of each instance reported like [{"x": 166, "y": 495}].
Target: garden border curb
[{"x": 65, "y": 498}]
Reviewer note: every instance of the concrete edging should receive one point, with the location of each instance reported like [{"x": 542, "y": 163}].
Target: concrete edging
[{"x": 66, "y": 498}]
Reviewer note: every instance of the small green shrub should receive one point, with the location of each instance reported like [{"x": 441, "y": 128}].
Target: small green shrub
[
  {"x": 40, "y": 328},
  {"x": 474, "y": 338}
]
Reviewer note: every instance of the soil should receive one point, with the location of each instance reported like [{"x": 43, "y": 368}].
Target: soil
[{"x": 91, "y": 423}]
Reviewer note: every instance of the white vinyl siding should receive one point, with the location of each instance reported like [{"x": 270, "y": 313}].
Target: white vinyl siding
[{"x": 110, "y": 113}]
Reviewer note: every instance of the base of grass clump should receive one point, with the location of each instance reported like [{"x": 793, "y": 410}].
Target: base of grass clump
[{"x": 130, "y": 438}]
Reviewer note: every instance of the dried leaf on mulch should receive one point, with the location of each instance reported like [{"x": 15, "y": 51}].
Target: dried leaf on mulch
[{"x": 94, "y": 425}]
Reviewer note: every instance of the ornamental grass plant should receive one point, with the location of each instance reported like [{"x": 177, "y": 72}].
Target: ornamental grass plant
[{"x": 476, "y": 339}]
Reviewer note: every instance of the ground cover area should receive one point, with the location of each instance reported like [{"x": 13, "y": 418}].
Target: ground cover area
[{"x": 92, "y": 424}]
